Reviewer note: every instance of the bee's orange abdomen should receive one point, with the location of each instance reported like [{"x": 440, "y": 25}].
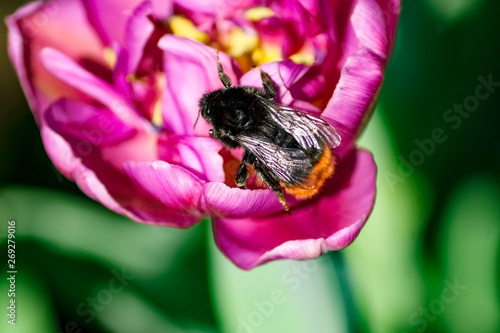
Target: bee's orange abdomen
[{"x": 320, "y": 173}]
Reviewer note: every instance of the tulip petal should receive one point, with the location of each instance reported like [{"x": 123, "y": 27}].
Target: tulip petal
[
  {"x": 109, "y": 186},
  {"x": 99, "y": 169},
  {"x": 284, "y": 75},
  {"x": 61, "y": 25},
  {"x": 191, "y": 71},
  {"x": 61, "y": 154},
  {"x": 16, "y": 50},
  {"x": 354, "y": 97},
  {"x": 367, "y": 20},
  {"x": 366, "y": 46},
  {"x": 138, "y": 71},
  {"x": 172, "y": 185},
  {"x": 139, "y": 29},
  {"x": 92, "y": 130},
  {"x": 232, "y": 202},
  {"x": 109, "y": 17},
  {"x": 391, "y": 10},
  {"x": 294, "y": 82},
  {"x": 67, "y": 70},
  {"x": 200, "y": 155},
  {"x": 139, "y": 206},
  {"x": 214, "y": 7},
  {"x": 329, "y": 222},
  {"x": 97, "y": 126}
]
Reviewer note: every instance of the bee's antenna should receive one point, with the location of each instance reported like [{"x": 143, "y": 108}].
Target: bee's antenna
[
  {"x": 222, "y": 76},
  {"x": 197, "y": 118},
  {"x": 268, "y": 84}
]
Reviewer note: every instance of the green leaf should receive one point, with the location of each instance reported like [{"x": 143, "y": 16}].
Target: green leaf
[
  {"x": 84, "y": 245},
  {"x": 452, "y": 10},
  {"x": 386, "y": 281},
  {"x": 76, "y": 226},
  {"x": 470, "y": 252},
  {"x": 281, "y": 296},
  {"x": 34, "y": 311}
]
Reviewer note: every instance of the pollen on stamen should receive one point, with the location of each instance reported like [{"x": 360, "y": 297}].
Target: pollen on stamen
[
  {"x": 258, "y": 13},
  {"x": 157, "y": 118},
  {"x": 303, "y": 58},
  {"x": 183, "y": 27},
  {"x": 241, "y": 42},
  {"x": 161, "y": 83},
  {"x": 110, "y": 57},
  {"x": 266, "y": 53}
]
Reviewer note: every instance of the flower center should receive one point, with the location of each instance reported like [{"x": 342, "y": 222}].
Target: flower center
[
  {"x": 183, "y": 27},
  {"x": 258, "y": 13},
  {"x": 261, "y": 37}
]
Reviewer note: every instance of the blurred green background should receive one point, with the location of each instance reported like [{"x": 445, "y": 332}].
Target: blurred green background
[{"x": 427, "y": 260}]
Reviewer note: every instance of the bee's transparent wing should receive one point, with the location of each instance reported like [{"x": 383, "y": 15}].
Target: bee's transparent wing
[
  {"x": 291, "y": 165},
  {"x": 309, "y": 131}
]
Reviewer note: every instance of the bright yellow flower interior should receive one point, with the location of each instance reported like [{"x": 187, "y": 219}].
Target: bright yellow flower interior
[
  {"x": 183, "y": 27},
  {"x": 110, "y": 57},
  {"x": 243, "y": 44},
  {"x": 258, "y": 13}
]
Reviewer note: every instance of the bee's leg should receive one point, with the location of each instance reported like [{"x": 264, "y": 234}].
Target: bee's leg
[
  {"x": 222, "y": 76},
  {"x": 282, "y": 199},
  {"x": 242, "y": 176},
  {"x": 274, "y": 184},
  {"x": 269, "y": 87},
  {"x": 242, "y": 173}
]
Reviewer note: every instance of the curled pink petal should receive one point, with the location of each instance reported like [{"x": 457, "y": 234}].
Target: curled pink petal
[
  {"x": 138, "y": 30},
  {"x": 97, "y": 126},
  {"x": 16, "y": 50},
  {"x": 391, "y": 10},
  {"x": 96, "y": 165},
  {"x": 284, "y": 75},
  {"x": 61, "y": 25},
  {"x": 354, "y": 96},
  {"x": 114, "y": 190},
  {"x": 63, "y": 157},
  {"x": 90, "y": 184},
  {"x": 59, "y": 152},
  {"x": 214, "y": 7},
  {"x": 331, "y": 222},
  {"x": 176, "y": 188},
  {"x": 234, "y": 202},
  {"x": 369, "y": 27},
  {"x": 110, "y": 30},
  {"x": 67, "y": 70},
  {"x": 197, "y": 154}
]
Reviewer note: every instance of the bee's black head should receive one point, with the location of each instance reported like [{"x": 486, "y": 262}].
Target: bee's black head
[
  {"x": 230, "y": 108},
  {"x": 208, "y": 106}
]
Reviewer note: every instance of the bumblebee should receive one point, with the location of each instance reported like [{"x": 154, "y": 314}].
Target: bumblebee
[{"x": 289, "y": 150}]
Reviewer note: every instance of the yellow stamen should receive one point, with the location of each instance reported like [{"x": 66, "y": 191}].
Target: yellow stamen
[
  {"x": 183, "y": 27},
  {"x": 161, "y": 83},
  {"x": 241, "y": 43},
  {"x": 303, "y": 58},
  {"x": 110, "y": 57},
  {"x": 258, "y": 13},
  {"x": 157, "y": 118},
  {"x": 266, "y": 53}
]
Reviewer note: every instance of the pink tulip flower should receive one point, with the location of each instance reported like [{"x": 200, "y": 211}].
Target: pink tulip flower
[{"x": 114, "y": 87}]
